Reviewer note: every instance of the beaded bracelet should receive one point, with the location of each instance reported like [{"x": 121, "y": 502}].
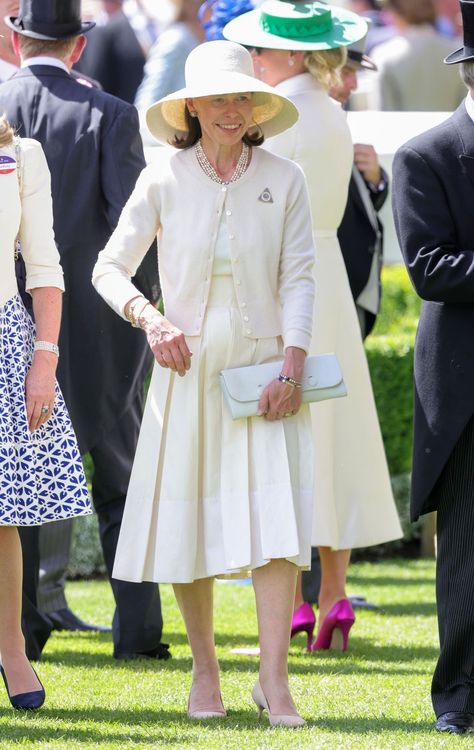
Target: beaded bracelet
[{"x": 291, "y": 381}]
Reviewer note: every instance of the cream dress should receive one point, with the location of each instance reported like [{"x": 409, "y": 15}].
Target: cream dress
[
  {"x": 208, "y": 495},
  {"x": 353, "y": 500}
]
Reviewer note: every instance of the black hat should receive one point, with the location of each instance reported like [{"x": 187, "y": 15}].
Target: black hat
[
  {"x": 466, "y": 52},
  {"x": 49, "y": 19}
]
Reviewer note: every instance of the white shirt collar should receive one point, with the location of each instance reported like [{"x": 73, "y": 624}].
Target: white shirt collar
[
  {"x": 44, "y": 60},
  {"x": 470, "y": 105}
]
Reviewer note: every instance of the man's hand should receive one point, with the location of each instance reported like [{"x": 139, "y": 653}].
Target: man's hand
[{"x": 366, "y": 161}]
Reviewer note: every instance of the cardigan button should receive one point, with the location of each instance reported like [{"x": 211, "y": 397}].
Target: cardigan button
[
  {"x": 238, "y": 282},
  {"x": 246, "y": 317},
  {"x": 249, "y": 330}
]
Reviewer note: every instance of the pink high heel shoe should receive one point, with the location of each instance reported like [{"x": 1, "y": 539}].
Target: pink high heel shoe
[
  {"x": 334, "y": 630},
  {"x": 304, "y": 621}
]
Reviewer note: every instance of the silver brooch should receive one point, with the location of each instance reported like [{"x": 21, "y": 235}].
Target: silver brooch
[{"x": 266, "y": 196}]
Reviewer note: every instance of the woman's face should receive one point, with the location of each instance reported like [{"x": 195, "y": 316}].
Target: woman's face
[
  {"x": 225, "y": 118},
  {"x": 275, "y": 65}
]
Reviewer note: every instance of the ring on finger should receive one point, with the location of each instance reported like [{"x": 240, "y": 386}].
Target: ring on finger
[{"x": 45, "y": 409}]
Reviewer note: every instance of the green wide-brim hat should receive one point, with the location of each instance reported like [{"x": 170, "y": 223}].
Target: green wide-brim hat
[{"x": 296, "y": 26}]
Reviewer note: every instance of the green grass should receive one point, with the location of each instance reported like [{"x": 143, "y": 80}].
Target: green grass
[{"x": 375, "y": 696}]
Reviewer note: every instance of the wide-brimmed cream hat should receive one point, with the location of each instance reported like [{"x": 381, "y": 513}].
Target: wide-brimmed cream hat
[{"x": 220, "y": 67}]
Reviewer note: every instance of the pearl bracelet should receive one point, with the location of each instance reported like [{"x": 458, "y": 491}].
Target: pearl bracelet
[
  {"x": 46, "y": 346},
  {"x": 291, "y": 381}
]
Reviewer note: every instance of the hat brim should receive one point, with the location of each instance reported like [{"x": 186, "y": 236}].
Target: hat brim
[
  {"x": 272, "y": 112},
  {"x": 364, "y": 63},
  {"x": 460, "y": 55},
  {"x": 347, "y": 28},
  {"x": 16, "y": 24}
]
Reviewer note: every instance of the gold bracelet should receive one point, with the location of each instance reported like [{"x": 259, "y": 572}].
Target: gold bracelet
[{"x": 132, "y": 316}]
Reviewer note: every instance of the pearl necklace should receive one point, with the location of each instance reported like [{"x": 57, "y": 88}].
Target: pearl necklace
[{"x": 209, "y": 170}]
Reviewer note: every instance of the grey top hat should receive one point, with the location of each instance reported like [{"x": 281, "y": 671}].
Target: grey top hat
[
  {"x": 49, "y": 19},
  {"x": 466, "y": 52}
]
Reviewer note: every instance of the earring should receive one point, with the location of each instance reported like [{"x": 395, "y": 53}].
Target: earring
[
  {"x": 291, "y": 61},
  {"x": 193, "y": 114}
]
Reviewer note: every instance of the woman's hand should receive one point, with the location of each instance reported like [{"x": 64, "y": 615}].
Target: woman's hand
[
  {"x": 40, "y": 389},
  {"x": 167, "y": 342},
  {"x": 283, "y": 399},
  {"x": 279, "y": 400}
]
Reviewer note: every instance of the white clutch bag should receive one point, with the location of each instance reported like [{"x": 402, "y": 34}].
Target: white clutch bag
[{"x": 243, "y": 386}]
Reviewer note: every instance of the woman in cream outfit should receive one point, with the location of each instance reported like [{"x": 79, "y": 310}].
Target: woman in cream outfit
[
  {"x": 40, "y": 467},
  {"x": 210, "y": 496},
  {"x": 353, "y": 502}
]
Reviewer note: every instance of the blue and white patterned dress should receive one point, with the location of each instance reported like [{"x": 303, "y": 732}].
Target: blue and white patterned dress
[{"x": 41, "y": 474}]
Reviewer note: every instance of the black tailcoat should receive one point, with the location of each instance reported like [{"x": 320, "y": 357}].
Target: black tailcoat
[
  {"x": 115, "y": 58},
  {"x": 433, "y": 204},
  {"x": 92, "y": 145},
  {"x": 358, "y": 239}
]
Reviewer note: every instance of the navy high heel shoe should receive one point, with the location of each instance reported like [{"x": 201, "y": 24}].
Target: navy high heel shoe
[{"x": 25, "y": 701}]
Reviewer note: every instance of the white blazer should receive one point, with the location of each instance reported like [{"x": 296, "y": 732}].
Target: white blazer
[{"x": 268, "y": 221}]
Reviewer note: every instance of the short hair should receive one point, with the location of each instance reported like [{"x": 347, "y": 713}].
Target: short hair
[
  {"x": 325, "y": 65},
  {"x": 466, "y": 72},
  {"x": 414, "y": 12},
  {"x": 61, "y": 48},
  {"x": 6, "y": 132}
]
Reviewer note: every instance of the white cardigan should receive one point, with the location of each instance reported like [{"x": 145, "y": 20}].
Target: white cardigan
[
  {"x": 269, "y": 223},
  {"x": 29, "y": 216}
]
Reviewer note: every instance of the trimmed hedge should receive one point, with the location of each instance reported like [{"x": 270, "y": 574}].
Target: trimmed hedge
[
  {"x": 390, "y": 361},
  {"x": 390, "y": 356}
]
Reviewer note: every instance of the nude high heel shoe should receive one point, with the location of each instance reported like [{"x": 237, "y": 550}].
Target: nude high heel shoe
[
  {"x": 276, "y": 720},
  {"x": 203, "y": 714}
]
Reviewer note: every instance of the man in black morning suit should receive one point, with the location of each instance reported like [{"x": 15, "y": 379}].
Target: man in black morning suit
[
  {"x": 114, "y": 55},
  {"x": 433, "y": 202},
  {"x": 360, "y": 232},
  {"x": 93, "y": 148}
]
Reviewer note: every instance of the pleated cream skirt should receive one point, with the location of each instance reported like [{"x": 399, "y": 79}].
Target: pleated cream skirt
[
  {"x": 210, "y": 496},
  {"x": 353, "y": 500}
]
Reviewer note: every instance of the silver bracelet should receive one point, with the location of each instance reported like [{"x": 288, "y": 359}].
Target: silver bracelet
[{"x": 46, "y": 346}]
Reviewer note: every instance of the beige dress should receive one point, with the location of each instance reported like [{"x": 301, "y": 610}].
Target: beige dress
[
  {"x": 353, "y": 501},
  {"x": 210, "y": 496}
]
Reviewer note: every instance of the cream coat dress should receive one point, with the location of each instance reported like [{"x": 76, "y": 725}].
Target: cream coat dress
[
  {"x": 208, "y": 495},
  {"x": 353, "y": 501}
]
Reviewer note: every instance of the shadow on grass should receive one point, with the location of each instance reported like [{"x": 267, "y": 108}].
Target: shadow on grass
[
  {"x": 102, "y": 726},
  {"x": 376, "y": 660},
  {"x": 358, "y": 581}
]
